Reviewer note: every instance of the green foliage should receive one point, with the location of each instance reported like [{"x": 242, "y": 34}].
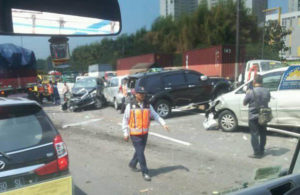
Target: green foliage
[
  {"x": 44, "y": 65},
  {"x": 274, "y": 36}
]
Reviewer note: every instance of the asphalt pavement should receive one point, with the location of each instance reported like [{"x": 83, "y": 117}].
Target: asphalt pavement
[{"x": 186, "y": 160}]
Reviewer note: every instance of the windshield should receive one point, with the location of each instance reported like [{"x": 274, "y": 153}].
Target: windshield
[
  {"x": 265, "y": 66},
  {"x": 23, "y": 126},
  {"x": 86, "y": 83},
  {"x": 163, "y": 124}
]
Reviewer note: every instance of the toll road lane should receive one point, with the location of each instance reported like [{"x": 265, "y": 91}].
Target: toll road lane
[{"x": 186, "y": 160}]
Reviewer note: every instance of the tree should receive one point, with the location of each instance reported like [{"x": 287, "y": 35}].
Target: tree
[
  {"x": 164, "y": 35},
  {"x": 42, "y": 66},
  {"x": 274, "y": 37}
]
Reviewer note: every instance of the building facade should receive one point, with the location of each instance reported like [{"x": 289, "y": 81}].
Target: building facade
[
  {"x": 176, "y": 8},
  {"x": 255, "y": 6},
  {"x": 294, "y": 5},
  {"x": 290, "y": 21}
]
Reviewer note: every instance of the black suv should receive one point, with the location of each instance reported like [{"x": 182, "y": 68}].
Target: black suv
[
  {"x": 168, "y": 89},
  {"x": 31, "y": 149}
]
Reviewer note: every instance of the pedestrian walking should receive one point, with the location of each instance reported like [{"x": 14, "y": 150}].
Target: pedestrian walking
[
  {"x": 256, "y": 98},
  {"x": 136, "y": 122},
  {"x": 65, "y": 90}
]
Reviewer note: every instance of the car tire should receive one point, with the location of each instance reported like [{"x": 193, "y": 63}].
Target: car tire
[
  {"x": 163, "y": 108},
  {"x": 228, "y": 121},
  {"x": 99, "y": 103},
  {"x": 116, "y": 105}
]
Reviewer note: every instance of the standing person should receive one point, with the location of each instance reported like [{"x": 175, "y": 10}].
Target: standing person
[
  {"x": 50, "y": 90},
  {"x": 257, "y": 97},
  {"x": 56, "y": 94},
  {"x": 65, "y": 90},
  {"x": 41, "y": 91},
  {"x": 136, "y": 123}
]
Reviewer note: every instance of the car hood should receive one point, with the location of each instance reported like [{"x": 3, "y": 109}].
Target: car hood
[
  {"x": 226, "y": 100},
  {"x": 82, "y": 90}
]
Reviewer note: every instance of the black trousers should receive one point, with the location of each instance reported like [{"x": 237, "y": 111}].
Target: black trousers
[
  {"x": 139, "y": 143},
  {"x": 258, "y": 136}
]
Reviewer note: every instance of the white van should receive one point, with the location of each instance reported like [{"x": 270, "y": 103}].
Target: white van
[{"x": 113, "y": 91}]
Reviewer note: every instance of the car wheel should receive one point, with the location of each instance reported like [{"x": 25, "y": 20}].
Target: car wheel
[
  {"x": 227, "y": 121},
  {"x": 98, "y": 103},
  {"x": 163, "y": 108},
  {"x": 116, "y": 105}
]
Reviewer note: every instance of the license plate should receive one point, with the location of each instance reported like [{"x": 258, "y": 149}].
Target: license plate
[{"x": 11, "y": 183}]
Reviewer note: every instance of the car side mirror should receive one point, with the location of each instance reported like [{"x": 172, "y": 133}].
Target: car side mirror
[{"x": 203, "y": 78}]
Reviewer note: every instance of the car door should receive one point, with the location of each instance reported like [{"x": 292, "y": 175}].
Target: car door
[
  {"x": 271, "y": 82},
  {"x": 107, "y": 91},
  {"x": 177, "y": 89},
  {"x": 288, "y": 107},
  {"x": 114, "y": 88},
  {"x": 196, "y": 87}
]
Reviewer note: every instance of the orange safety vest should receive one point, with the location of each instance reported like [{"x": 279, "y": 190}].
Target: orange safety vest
[
  {"x": 50, "y": 89},
  {"x": 139, "y": 120}
]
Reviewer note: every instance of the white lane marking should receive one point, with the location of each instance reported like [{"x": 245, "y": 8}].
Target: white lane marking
[
  {"x": 170, "y": 139},
  {"x": 81, "y": 123}
]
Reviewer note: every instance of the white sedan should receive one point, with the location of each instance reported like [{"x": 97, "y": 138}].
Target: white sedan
[{"x": 285, "y": 104}]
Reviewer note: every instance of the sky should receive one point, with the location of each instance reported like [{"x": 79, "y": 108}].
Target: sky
[{"x": 135, "y": 15}]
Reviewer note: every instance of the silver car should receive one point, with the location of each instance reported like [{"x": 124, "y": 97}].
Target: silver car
[
  {"x": 285, "y": 104},
  {"x": 113, "y": 91}
]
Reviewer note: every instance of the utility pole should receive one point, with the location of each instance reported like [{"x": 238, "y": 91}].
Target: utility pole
[{"x": 237, "y": 42}]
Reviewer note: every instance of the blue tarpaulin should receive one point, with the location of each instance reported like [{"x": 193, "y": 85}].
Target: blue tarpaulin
[{"x": 12, "y": 56}]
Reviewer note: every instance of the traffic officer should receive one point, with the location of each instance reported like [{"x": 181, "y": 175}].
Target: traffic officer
[
  {"x": 50, "y": 91},
  {"x": 136, "y": 123}
]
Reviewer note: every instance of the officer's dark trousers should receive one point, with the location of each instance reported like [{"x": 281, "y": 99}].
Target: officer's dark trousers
[
  {"x": 139, "y": 143},
  {"x": 258, "y": 136}
]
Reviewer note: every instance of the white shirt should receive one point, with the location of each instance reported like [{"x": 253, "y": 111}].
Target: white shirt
[
  {"x": 126, "y": 116},
  {"x": 65, "y": 89}
]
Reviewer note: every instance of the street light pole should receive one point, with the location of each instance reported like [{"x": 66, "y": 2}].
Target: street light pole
[
  {"x": 263, "y": 42},
  {"x": 237, "y": 43}
]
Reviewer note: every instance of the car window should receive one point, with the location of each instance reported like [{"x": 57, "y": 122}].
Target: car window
[
  {"x": 23, "y": 127},
  {"x": 86, "y": 82},
  {"x": 192, "y": 78},
  {"x": 271, "y": 81},
  {"x": 265, "y": 66},
  {"x": 174, "y": 80},
  {"x": 114, "y": 82},
  {"x": 132, "y": 82},
  {"x": 153, "y": 83}
]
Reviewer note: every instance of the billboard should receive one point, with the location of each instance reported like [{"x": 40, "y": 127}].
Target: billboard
[{"x": 291, "y": 78}]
